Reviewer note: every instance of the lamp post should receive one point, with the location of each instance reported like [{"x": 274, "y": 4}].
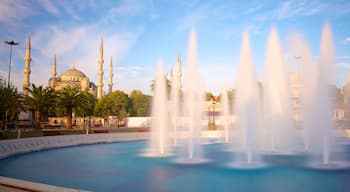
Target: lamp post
[{"x": 11, "y": 43}]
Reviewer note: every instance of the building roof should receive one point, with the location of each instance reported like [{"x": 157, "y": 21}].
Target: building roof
[{"x": 72, "y": 75}]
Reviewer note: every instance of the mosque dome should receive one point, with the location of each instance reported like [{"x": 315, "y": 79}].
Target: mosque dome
[{"x": 72, "y": 75}]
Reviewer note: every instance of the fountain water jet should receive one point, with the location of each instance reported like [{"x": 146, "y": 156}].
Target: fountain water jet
[
  {"x": 247, "y": 101},
  {"x": 325, "y": 78},
  {"x": 159, "y": 141},
  {"x": 226, "y": 115},
  {"x": 278, "y": 120},
  {"x": 192, "y": 112},
  {"x": 307, "y": 70},
  {"x": 175, "y": 100}
]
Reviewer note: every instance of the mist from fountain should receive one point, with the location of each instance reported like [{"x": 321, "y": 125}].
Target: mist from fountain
[
  {"x": 192, "y": 112},
  {"x": 322, "y": 103},
  {"x": 175, "y": 104},
  {"x": 247, "y": 103},
  {"x": 278, "y": 123},
  {"x": 307, "y": 73},
  {"x": 226, "y": 115},
  {"x": 159, "y": 140}
]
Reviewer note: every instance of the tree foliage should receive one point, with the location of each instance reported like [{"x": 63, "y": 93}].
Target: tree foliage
[
  {"x": 114, "y": 104},
  {"x": 88, "y": 109},
  {"x": 70, "y": 99},
  {"x": 140, "y": 103},
  {"x": 208, "y": 96},
  {"x": 40, "y": 100},
  {"x": 11, "y": 103}
]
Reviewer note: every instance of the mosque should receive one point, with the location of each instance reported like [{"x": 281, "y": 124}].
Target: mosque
[{"x": 71, "y": 77}]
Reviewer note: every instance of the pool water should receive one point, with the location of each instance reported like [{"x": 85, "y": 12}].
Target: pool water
[{"x": 119, "y": 167}]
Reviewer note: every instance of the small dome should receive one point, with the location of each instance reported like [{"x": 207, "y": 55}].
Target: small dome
[{"x": 72, "y": 75}]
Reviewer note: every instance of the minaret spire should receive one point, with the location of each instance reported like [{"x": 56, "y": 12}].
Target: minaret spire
[
  {"x": 26, "y": 71},
  {"x": 54, "y": 73},
  {"x": 100, "y": 71},
  {"x": 110, "y": 83},
  {"x": 171, "y": 75},
  {"x": 179, "y": 70}
]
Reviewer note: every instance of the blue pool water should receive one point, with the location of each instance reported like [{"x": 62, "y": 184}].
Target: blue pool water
[{"x": 119, "y": 167}]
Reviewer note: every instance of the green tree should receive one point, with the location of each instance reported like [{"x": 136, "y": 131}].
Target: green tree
[
  {"x": 208, "y": 96},
  {"x": 140, "y": 103},
  {"x": 88, "y": 109},
  {"x": 11, "y": 103},
  {"x": 70, "y": 99},
  {"x": 40, "y": 100},
  {"x": 114, "y": 104}
]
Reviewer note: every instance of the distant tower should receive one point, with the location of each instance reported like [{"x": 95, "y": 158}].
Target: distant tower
[
  {"x": 100, "y": 72},
  {"x": 26, "y": 72},
  {"x": 179, "y": 70},
  {"x": 171, "y": 75},
  {"x": 110, "y": 82},
  {"x": 54, "y": 73}
]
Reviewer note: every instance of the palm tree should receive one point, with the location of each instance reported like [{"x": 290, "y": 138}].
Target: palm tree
[
  {"x": 71, "y": 99},
  {"x": 40, "y": 100},
  {"x": 11, "y": 103}
]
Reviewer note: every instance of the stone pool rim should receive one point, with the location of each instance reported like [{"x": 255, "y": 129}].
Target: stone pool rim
[{"x": 14, "y": 147}]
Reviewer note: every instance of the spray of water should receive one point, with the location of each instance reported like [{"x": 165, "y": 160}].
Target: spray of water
[
  {"x": 326, "y": 77},
  {"x": 193, "y": 100},
  {"x": 159, "y": 141},
  {"x": 226, "y": 114},
  {"x": 247, "y": 103},
  {"x": 307, "y": 74},
  {"x": 278, "y": 120},
  {"x": 175, "y": 103}
]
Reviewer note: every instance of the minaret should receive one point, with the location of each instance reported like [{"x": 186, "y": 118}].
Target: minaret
[
  {"x": 26, "y": 71},
  {"x": 179, "y": 70},
  {"x": 100, "y": 72},
  {"x": 110, "y": 82},
  {"x": 54, "y": 73}
]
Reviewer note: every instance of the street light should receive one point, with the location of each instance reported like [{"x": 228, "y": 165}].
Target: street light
[{"x": 11, "y": 43}]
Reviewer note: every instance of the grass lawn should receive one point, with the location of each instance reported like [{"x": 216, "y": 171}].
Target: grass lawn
[{"x": 11, "y": 134}]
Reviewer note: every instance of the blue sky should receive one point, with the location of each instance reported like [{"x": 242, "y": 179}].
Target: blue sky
[{"x": 138, "y": 32}]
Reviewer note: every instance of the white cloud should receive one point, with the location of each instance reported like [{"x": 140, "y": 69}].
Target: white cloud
[
  {"x": 294, "y": 8},
  {"x": 12, "y": 10},
  {"x": 253, "y": 9},
  {"x": 78, "y": 46},
  {"x": 194, "y": 18},
  {"x": 347, "y": 40},
  {"x": 343, "y": 65},
  {"x": 343, "y": 57},
  {"x": 50, "y": 7}
]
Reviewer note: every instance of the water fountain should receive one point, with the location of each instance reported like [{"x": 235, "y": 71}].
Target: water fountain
[
  {"x": 247, "y": 103},
  {"x": 175, "y": 101},
  {"x": 326, "y": 77},
  {"x": 159, "y": 139},
  {"x": 226, "y": 115},
  {"x": 278, "y": 122},
  {"x": 193, "y": 97},
  {"x": 307, "y": 73},
  {"x": 316, "y": 97}
]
